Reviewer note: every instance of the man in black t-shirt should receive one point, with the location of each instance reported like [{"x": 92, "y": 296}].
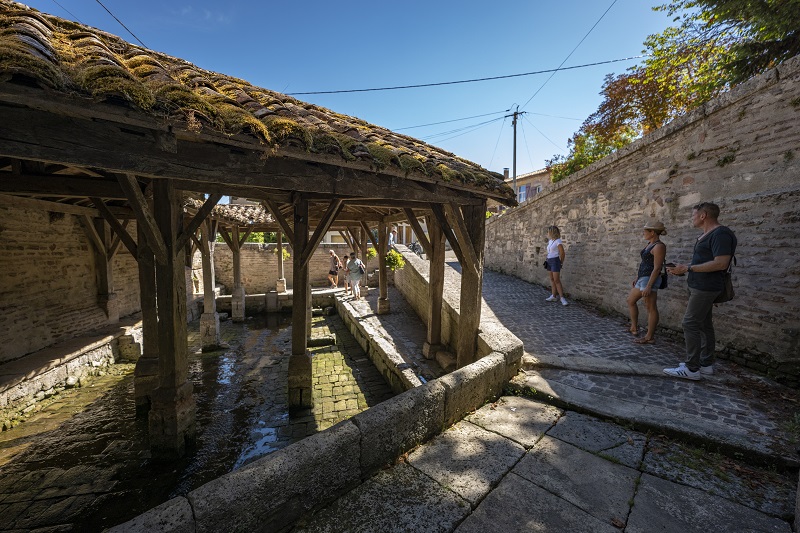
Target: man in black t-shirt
[{"x": 713, "y": 252}]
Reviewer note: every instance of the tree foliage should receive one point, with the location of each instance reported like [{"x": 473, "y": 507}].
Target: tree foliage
[
  {"x": 762, "y": 33},
  {"x": 716, "y": 43}
]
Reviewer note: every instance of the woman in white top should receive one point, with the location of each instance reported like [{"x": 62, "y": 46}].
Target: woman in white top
[{"x": 555, "y": 260}]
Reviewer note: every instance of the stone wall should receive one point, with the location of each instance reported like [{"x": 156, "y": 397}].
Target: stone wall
[
  {"x": 260, "y": 266},
  {"x": 741, "y": 151},
  {"x": 412, "y": 282},
  {"x": 48, "y": 291}
]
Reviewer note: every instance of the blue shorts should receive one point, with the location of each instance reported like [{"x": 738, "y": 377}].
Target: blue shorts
[
  {"x": 554, "y": 264},
  {"x": 641, "y": 283}
]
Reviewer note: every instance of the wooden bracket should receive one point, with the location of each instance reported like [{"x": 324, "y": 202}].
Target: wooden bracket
[
  {"x": 415, "y": 225},
  {"x": 198, "y": 219},
  {"x": 119, "y": 229},
  {"x": 144, "y": 217}
]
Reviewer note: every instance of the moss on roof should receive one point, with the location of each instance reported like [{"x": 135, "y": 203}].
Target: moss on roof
[{"x": 76, "y": 59}]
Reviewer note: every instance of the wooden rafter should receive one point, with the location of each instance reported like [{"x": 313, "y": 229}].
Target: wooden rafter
[
  {"x": 438, "y": 212},
  {"x": 333, "y": 209},
  {"x": 462, "y": 234}
]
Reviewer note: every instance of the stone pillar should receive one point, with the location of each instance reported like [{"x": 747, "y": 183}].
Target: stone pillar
[
  {"x": 300, "y": 360},
  {"x": 209, "y": 321},
  {"x": 238, "y": 294},
  {"x": 383, "y": 275},
  {"x": 280, "y": 286},
  {"x": 471, "y": 286},
  {"x": 172, "y": 411},
  {"x": 145, "y": 379},
  {"x": 433, "y": 340}
]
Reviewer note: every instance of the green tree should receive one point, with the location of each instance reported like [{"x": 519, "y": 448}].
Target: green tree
[{"x": 761, "y": 33}]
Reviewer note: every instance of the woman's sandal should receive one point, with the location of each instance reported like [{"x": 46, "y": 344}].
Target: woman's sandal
[{"x": 644, "y": 340}]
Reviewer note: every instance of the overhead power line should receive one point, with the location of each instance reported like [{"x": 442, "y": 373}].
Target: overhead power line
[
  {"x": 573, "y": 51},
  {"x": 453, "y": 120},
  {"x": 121, "y": 24},
  {"x": 397, "y": 87},
  {"x": 68, "y": 11}
]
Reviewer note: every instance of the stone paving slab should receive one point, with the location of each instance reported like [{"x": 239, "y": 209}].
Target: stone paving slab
[
  {"x": 467, "y": 459},
  {"x": 571, "y": 479},
  {"x": 668, "y": 507},
  {"x": 517, "y": 505},
  {"x": 595, "y": 485},
  {"x": 398, "y": 500}
]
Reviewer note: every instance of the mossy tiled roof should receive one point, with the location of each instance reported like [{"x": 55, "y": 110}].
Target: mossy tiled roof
[{"x": 71, "y": 58}]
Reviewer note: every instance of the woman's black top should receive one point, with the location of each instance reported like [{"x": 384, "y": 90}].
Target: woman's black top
[{"x": 648, "y": 261}]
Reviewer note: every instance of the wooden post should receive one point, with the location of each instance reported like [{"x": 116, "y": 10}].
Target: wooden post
[
  {"x": 383, "y": 275},
  {"x": 237, "y": 295},
  {"x": 281, "y": 284},
  {"x": 300, "y": 360},
  {"x": 364, "y": 245},
  {"x": 145, "y": 379},
  {"x": 172, "y": 413},
  {"x": 209, "y": 321},
  {"x": 433, "y": 341},
  {"x": 474, "y": 220}
]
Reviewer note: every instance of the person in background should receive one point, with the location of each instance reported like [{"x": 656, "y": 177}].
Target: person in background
[
  {"x": 555, "y": 261},
  {"x": 355, "y": 275},
  {"x": 713, "y": 252},
  {"x": 333, "y": 271},
  {"x": 392, "y": 239},
  {"x": 647, "y": 282}
]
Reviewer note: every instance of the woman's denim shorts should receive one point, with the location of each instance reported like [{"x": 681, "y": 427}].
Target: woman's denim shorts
[
  {"x": 554, "y": 264},
  {"x": 641, "y": 283}
]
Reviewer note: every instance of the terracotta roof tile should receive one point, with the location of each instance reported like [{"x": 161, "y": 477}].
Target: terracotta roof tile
[{"x": 75, "y": 59}]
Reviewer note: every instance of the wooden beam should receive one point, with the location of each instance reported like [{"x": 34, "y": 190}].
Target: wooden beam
[
  {"x": 198, "y": 219},
  {"x": 118, "y": 228},
  {"x": 369, "y": 234},
  {"x": 273, "y": 208},
  {"x": 60, "y": 185},
  {"x": 91, "y": 233},
  {"x": 333, "y": 209},
  {"x": 438, "y": 212},
  {"x": 415, "y": 225},
  {"x": 467, "y": 247},
  {"x": 248, "y": 230},
  {"x": 357, "y": 244},
  {"x": 144, "y": 217},
  {"x": 43, "y": 205},
  {"x": 227, "y": 238}
]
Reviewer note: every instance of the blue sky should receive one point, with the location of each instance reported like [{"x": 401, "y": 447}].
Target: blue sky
[{"x": 312, "y": 45}]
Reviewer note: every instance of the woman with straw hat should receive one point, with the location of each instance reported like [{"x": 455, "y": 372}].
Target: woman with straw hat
[{"x": 648, "y": 281}]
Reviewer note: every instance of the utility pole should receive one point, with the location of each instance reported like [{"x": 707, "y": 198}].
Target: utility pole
[{"x": 515, "y": 114}]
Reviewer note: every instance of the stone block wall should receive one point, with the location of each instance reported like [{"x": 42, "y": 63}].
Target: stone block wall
[
  {"x": 48, "y": 291},
  {"x": 260, "y": 266},
  {"x": 741, "y": 151}
]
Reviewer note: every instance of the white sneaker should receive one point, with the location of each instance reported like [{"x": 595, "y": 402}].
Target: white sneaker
[
  {"x": 707, "y": 370},
  {"x": 564, "y": 301},
  {"x": 681, "y": 371},
  {"x": 552, "y": 298}
]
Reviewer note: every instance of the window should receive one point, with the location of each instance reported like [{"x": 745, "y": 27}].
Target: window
[{"x": 522, "y": 194}]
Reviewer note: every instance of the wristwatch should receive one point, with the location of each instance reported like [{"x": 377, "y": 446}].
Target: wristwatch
[{"x": 689, "y": 268}]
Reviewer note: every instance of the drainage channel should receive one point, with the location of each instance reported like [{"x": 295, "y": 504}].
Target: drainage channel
[{"x": 83, "y": 462}]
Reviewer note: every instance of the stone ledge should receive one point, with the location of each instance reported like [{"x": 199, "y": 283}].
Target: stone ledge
[{"x": 22, "y": 379}]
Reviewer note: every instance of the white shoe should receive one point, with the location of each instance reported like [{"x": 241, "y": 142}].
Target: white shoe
[
  {"x": 564, "y": 301},
  {"x": 707, "y": 370},
  {"x": 552, "y": 298},
  {"x": 683, "y": 372}
]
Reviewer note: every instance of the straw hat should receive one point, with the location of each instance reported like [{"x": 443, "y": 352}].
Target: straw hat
[{"x": 657, "y": 226}]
